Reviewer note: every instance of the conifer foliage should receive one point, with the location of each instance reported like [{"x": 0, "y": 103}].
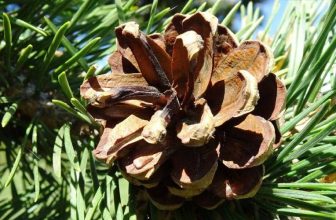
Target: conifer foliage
[{"x": 48, "y": 165}]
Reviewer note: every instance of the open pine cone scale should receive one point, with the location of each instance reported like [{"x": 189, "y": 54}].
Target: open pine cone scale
[{"x": 189, "y": 114}]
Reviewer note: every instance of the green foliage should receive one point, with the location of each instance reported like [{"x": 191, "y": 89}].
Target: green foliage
[{"x": 47, "y": 170}]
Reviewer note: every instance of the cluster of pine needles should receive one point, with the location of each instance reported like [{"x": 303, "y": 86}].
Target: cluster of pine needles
[{"x": 47, "y": 171}]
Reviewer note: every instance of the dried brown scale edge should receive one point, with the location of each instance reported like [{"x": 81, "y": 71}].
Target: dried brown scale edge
[{"x": 183, "y": 88}]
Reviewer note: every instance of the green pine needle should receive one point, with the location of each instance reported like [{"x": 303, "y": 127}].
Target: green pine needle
[{"x": 47, "y": 50}]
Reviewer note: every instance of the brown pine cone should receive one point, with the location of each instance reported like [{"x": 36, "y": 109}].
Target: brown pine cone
[{"x": 188, "y": 114}]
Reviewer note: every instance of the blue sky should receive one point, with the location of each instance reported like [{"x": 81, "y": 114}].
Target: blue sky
[{"x": 266, "y": 10}]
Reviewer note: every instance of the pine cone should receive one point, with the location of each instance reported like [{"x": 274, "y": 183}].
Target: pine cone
[{"x": 189, "y": 114}]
